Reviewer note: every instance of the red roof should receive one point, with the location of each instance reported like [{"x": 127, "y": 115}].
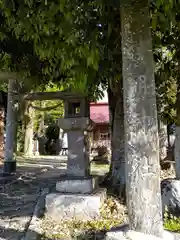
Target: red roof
[{"x": 99, "y": 112}]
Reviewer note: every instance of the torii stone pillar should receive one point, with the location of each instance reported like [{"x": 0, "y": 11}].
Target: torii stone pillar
[
  {"x": 77, "y": 195},
  {"x": 10, "y": 161},
  {"x": 140, "y": 117},
  {"x": 3, "y": 106}
]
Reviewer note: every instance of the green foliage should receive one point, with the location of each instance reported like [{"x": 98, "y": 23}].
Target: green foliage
[
  {"x": 17, "y": 55},
  {"x": 112, "y": 215},
  {"x": 67, "y": 38},
  {"x": 165, "y": 32},
  {"x": 52, "y": 131},
  {"x": 55, "y": 110},
  {"x": 48, "y": 116},
  {"x": 78, "y": 43},
  {"x": 3, "y": 86},
  {"x": 58, "y": 31},
  {"x": 171, "y": 223},
  {"x": 164, "y": 14}
]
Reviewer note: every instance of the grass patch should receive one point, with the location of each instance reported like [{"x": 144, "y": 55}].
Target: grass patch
[
  {"x": 172, "y": 224},
  {"x": 101, "y": 169},
  {"x": 113, "y": 214}
]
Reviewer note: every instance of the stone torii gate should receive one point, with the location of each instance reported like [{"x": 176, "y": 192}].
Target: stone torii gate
[
  {"x": 141, "y": 141},
  {"x": 78, "y": 189},
  {"x": 73, "y": 102}
]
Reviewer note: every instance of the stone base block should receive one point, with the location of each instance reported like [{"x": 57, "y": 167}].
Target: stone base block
[
  {"x": 75, "y": 206},
  {"x": 123, "y": 233},
  {"x": 77, "y": 185}
]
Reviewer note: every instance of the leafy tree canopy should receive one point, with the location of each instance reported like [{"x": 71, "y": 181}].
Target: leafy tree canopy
[
  {"x": 76, "y": 43},
  {"x": 58, "y": 31}
]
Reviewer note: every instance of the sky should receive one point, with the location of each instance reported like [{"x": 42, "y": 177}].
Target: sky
[{"x": 105, "y": 98}]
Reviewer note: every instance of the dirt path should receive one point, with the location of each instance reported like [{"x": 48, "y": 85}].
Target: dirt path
[{"x": 18, "y": 200}]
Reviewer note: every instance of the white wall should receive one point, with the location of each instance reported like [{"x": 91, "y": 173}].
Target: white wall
[{"x": 105, "y": 98}]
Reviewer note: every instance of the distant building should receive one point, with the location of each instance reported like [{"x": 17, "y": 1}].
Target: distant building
[{"x": 99, "y": 114}]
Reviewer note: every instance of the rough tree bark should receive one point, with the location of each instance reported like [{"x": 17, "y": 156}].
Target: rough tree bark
[
  {"x": 28, "y": 138},
  {"x": 117, "y": 169},
  {"x": 3, "y": 108},
  {"x": 162, "y": 131},
  {"x": 1, "y": 133},
  {"x": 11, "y": 127},
  {"x": 163, "y": 139},
  {"x": 177, "y": 134},
  {"x": 141, "y": 128}
]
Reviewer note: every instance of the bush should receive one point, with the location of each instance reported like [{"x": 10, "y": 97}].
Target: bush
[
  {"x": 102, "y": 150},
  {"x": 52, "y": 131},
  {"x": 102, "y": 156},
  {"x": 171, "y": 223},
  {"x": 52, "y": 135}
]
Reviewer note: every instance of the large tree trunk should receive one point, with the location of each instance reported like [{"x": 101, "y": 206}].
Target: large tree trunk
[
  {"x": 3, "y": 108},
  {"x": 177, "y": 152},
  {"x": 141, "y": 128},
  {"x": 117, "y": 169},
  {"x": 11, "y": 127},
  {"x": 29, "y": 131},
  {"x": 177, "y": 134},
  {"x": 162, "y": 131},
  {"x": 1, "y": 133},
  {"x": 163, "y": 139}
]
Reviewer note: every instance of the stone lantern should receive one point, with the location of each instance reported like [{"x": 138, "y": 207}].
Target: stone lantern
[
  {"x": 77, "y": 194},
  {"x": 77, "y": 124}
]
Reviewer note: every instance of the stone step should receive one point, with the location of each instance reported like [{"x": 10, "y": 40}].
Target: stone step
[{"x": 69, "y": 206}]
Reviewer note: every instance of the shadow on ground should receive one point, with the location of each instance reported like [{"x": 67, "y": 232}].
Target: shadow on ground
[
  {"x": 19, "y": 197},
  {"x": 13, "y": 234},
  {"x": 19, "y": 193}
]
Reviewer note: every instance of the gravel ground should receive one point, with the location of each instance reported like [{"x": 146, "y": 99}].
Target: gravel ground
[
  {"x": 170, "y": 173},
  {"x": 18, "y": 200},
  {"x": 113, "y": 214}
]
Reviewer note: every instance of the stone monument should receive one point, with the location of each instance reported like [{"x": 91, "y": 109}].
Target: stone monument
[{"x": 77, "y": 194}]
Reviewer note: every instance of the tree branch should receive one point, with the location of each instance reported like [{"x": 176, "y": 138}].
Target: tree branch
[
  {"x": 8, "y": 75},
  {"x": 45, "y": 108}
]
